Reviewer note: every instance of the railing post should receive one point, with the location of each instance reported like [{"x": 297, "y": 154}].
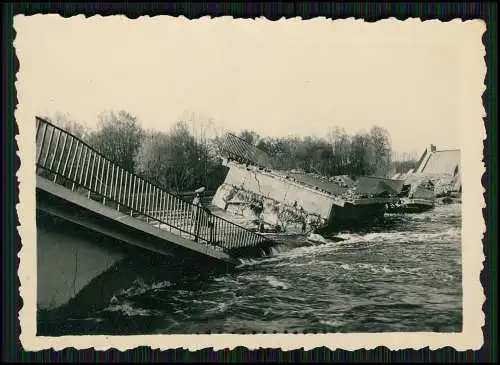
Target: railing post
[
  {"x": 141, "y": 182},
  {"x": 168, "y": 209},
  {"x": 84, "y": 163},
  {"x": 217, "y": 228},
  {"x": 133, "y": 197},
  {"x": 98, "y": 177},
  {"x": 126, "y": 189},
  {"x": 228, "y": 232},
  {"x": 166, "y": 203},
  {"x": 195, "y": 218},
  {"x": 156, "y": 200},
  {"x": 112, "y": 186},
  {"x": 197, "y": 224},
  {"x": 48, "y": 148},
  {"x": 161, "y": 206},
  {"x": 61, "y": 157},
  {"x": 129, "y": 195},
  {"x": 91, "y": 173},
  {"x": 55, "y": 149},
  {"x": 147, "y": 201},
  {"x": 38, "y": 124},
  {"x": 106, "y": 183},
  {"x": 70, "y": 149},
  {"x": 150, "y": 200},
  {"x": 211, "y": 225},
  {"x": 78, "y": 150},
  {"x": 138, "y": 197},
  {"x": 119, "y": 199},
  {"x": 152, "y": 193}
]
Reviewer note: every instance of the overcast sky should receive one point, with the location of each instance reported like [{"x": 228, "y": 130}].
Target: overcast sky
[{"x": 278, "y": 78}]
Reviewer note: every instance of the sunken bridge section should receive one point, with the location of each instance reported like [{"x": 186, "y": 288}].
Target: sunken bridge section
[{"x": 92, "y": 213}]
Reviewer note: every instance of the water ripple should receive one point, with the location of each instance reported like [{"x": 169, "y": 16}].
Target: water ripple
[{"x": 403, "y": 276}]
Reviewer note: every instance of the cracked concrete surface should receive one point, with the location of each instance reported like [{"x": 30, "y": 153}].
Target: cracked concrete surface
[
  {"x": 70, "y": 262},
  {"x": 276, "y": 188},
  {"x": 266, "y": 202}
]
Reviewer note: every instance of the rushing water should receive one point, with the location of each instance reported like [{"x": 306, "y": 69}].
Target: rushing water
[{"x": 402, "y": 276}]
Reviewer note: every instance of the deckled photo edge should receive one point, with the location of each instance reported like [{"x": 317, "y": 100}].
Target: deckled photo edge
[{"x": 472, "y": 254}]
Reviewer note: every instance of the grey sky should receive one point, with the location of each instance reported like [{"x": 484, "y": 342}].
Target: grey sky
[{"x": 278, "y": 78}]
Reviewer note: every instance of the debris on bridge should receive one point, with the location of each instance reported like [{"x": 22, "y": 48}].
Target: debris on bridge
[
  {"x": 294, "y": 201},
  {"x": 436, "y": 180}
]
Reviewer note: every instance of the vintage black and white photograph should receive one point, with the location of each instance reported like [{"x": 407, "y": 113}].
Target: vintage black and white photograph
[{"x": 243, "y": 176}]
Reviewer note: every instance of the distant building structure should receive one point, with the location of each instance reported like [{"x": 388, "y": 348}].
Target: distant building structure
[
  {"x": 436, "y": 163},
  {"x": 440, "y": 162}
]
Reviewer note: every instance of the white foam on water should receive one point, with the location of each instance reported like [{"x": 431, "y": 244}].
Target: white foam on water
[
  {"x": 386, "y": 269},
  {"x": 401, "y": 237},
  {"x": 254, "y": 262},
  {"x": 243, "y": 263},
  {"x": 90, "y": 319},
  {"x": 128, "y": 310},
  {"x": 332, "y": 323},
  {"x": 219, "y": 308},
  {"x": 138, "y": 287},
  {"x": 346, "y": 267},
  {"x": 161, "y": 285},
  {"x": 448, "y": 277},
  {"x": 314, "y": 237},
  {"x": 279, "y": 249},
  {"x": 222, "y": 279},
  {"x": 275, "y": 283},
  {"x": 204, "y": 301}
]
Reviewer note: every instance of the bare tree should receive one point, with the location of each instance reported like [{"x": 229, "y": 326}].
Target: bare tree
[
  {"x": 66, "y": 122},
  {"x": 175, "y": 160},
  {"x": 341, "y": 146},
  {"x": 118, "y": 137},
  {"x": 250, "y": 136},
  {"x": 381, "y": 142}
]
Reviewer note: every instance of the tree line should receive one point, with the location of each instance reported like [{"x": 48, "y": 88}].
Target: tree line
[
  {"x": 181, "y": 160},
  {"x": 364, "y": 153}
]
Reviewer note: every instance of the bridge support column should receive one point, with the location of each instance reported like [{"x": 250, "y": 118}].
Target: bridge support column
[{"x": 67, "y": 261}]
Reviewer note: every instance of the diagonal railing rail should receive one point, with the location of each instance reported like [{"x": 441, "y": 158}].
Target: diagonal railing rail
[{"x": 70, "y": 162}]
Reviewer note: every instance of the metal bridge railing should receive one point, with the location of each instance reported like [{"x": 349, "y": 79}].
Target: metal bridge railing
[{"x": 72, "y": 163}]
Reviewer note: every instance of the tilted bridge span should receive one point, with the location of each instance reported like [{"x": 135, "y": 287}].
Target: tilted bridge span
[{"x": 92, "y": 213}]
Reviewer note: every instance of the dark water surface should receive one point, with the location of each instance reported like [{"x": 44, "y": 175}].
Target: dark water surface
[{"x": 402, "y": 276}]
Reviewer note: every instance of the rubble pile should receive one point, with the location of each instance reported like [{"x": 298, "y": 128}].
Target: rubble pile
[
  {"x": 343, "y": 187},
  {"x": 340, "y": 186},
  {"x": 352, "y": 194},
  {"x": 343, "y": 181},
  {"x": 442, "y": 184},
  {"x": 276, "y": 216}
]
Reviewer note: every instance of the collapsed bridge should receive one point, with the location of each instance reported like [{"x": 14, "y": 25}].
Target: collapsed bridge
[{"x": 92, "y": 213}]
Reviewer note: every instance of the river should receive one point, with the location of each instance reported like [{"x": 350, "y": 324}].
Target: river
[{"x": 404, "y": 275}]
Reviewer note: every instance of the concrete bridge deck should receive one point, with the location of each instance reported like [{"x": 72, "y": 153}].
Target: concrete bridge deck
[{"x": 60, "y": 202}]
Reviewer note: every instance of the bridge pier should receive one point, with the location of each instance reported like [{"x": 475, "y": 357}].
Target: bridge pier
[
  {"x": 80, "y": 270},
  {"x": 68, "y": 259}
]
